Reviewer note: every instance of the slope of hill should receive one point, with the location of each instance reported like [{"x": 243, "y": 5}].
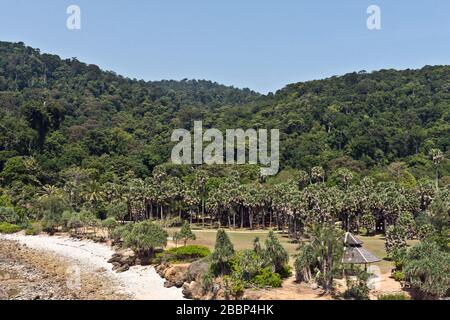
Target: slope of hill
[{"x": 66, "y": 113}]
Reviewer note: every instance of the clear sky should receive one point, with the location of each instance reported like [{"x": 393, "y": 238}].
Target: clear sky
[{"x": 259, "y": 44}]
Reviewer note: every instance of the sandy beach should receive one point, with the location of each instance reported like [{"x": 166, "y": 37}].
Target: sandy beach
[{"x": 78, "y": 264}]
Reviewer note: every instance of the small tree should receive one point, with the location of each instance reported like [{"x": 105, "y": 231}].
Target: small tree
[
  {"x": 110, "y": 224},
  {"x": 428, "y": 268},
  {"x": 185, "y": 234},
  {"x": 395, "y": 240},
  {"x": 144, "y": 237},
  {"x": 275, "y": 252},
  {"x": 322, "y": 256},
  {"x": 223, "y": 254}
]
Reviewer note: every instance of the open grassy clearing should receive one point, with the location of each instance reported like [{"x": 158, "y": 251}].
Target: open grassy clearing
[{"x": 243, "y": 239}]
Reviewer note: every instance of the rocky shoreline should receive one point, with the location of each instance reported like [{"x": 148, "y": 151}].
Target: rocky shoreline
[
  {"x": 44, "y": 267},
  {"x": 27, "y": 274}
]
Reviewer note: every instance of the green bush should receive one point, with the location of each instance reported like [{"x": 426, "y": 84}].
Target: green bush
[
  {"x": 110, "y": 224},
  {"x": 267, "y": 278},
  {"x": 144, "y": 237},
  {"x": 357, "y": 292},
  {"x": 234, "y": 287},
  {"x": 247, "y": 264},
  {"x": 394, "y": 296},
  {"x": 9, "y": 228},
  {"x": 184, "y": 254},
  {"x": 33, "y": 230},
  {"x": 118, "y": 232},
  {"x": 8, "y": 215},
  {"x": 285, "y": 272},
  {"x": 399, "y": 276}
]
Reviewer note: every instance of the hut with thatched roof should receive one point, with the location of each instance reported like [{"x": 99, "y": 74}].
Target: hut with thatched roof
[{"x": 354, "y": 253}]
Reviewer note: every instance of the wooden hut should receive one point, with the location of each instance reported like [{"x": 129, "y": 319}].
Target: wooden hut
[{"x": 354, "y": 253}]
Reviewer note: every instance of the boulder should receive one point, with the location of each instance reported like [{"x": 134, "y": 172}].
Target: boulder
[{"x": 123, "y": 268}]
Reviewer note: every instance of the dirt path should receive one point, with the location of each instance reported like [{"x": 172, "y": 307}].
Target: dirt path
[
  {"x": 289, "y": 291},
  {"x": 81, "y": 264}
]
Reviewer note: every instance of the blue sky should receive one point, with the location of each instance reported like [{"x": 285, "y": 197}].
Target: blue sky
[{"x": 262, "y": 45}]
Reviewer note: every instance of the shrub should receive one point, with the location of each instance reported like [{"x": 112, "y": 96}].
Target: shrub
[
  {"x": 223, "y": 254},
  {"x": 117, "y": 211},
  {"x": 399, "y": 276},
  {"x": 394, "y": 296},
  {"x": 267, "y": 278},
  {"x": 285, "y": 272},
  {"x": 206, "y": 282},
  {"x": 33, "y": 230},
  {"x": 185, "y": 234},
  {"x": 8, "y": 215},
  {"x": 144, "y": 237},
  {"x": 357, "y": 292},
  {"x": 51, "y": 221},
  {"x": 247, "y": 264},
  {"x": 184, "y": 254},
  {"x": 276, "y": 253},
  {"x": 118, "y": 232},
  {"x": 234, "y": 287},
  {"x": 427, "y": 268},
  {"x": 110, "y": 224},
  {"x": 396, "y": 237},
  {"x": 9, "y": 228}
]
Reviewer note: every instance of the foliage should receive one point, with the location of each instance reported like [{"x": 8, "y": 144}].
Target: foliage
[
  {"x": 267, "y": 278},
  {"x": 223, "y": 254},
  {"x": 234, "y": 287},
  {"x": 394, "y": 296},
  {"x": 275, "y": 253},
  {"x": 320, "y": 258},
  {"x": 358, "y": 289},
  {"x": 399, "y": 276},
  {"x": 33, "y": 229},
  {"x": 109, "y": 224},
  {"x": 185, "y": 234},
  {"x": 184, "y": 254},
  {"x": 427, "y": 268},
  {"x": 396, "y": 237},
  {"x": 9, "y": 228},
  {"x": 9, "y": 215},
  {"x": 144, "y": 237}
]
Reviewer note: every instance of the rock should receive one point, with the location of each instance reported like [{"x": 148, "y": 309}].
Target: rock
[
  {"x": 3, "y": 294},
  {"x": 101, "y": 270},
  {"x": 196, "y": 270},
  {"x": 123, "y": 268}
]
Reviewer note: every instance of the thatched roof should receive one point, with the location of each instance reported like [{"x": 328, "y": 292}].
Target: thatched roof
[
  {"x": 358, "y": 255},
  {"x": 351, "y": 240}
]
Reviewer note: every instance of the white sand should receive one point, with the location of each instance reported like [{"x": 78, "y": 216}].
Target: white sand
[{"x": 143, "y": 283}]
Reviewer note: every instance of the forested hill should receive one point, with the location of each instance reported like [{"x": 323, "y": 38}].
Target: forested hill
[{"x": 64, "y": 113}]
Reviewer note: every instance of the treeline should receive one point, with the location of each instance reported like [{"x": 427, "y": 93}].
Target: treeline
[{"x": 233, "y": 197}]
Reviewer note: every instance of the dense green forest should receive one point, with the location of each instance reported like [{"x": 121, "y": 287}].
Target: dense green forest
[{"x": 74, "y": 137}]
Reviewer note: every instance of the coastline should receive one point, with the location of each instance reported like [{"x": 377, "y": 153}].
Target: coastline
[{"x": 63, "y": 258}]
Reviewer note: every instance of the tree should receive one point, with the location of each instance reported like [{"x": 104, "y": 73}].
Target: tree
[
  {"x": 144, "y": 237},
  {"x": 223, "y": 254},
  {"x": 185, "y": 233},
  {"x": 276, "y": 253},
  {"x": 438, "y": 157},
  {"x": 322, "y": 256},
  {"x": 396, "y": 237},
  {"x": 428, "y": 268}
]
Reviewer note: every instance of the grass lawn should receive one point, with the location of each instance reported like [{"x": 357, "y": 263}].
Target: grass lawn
[{"x": 244, "y": 240}]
